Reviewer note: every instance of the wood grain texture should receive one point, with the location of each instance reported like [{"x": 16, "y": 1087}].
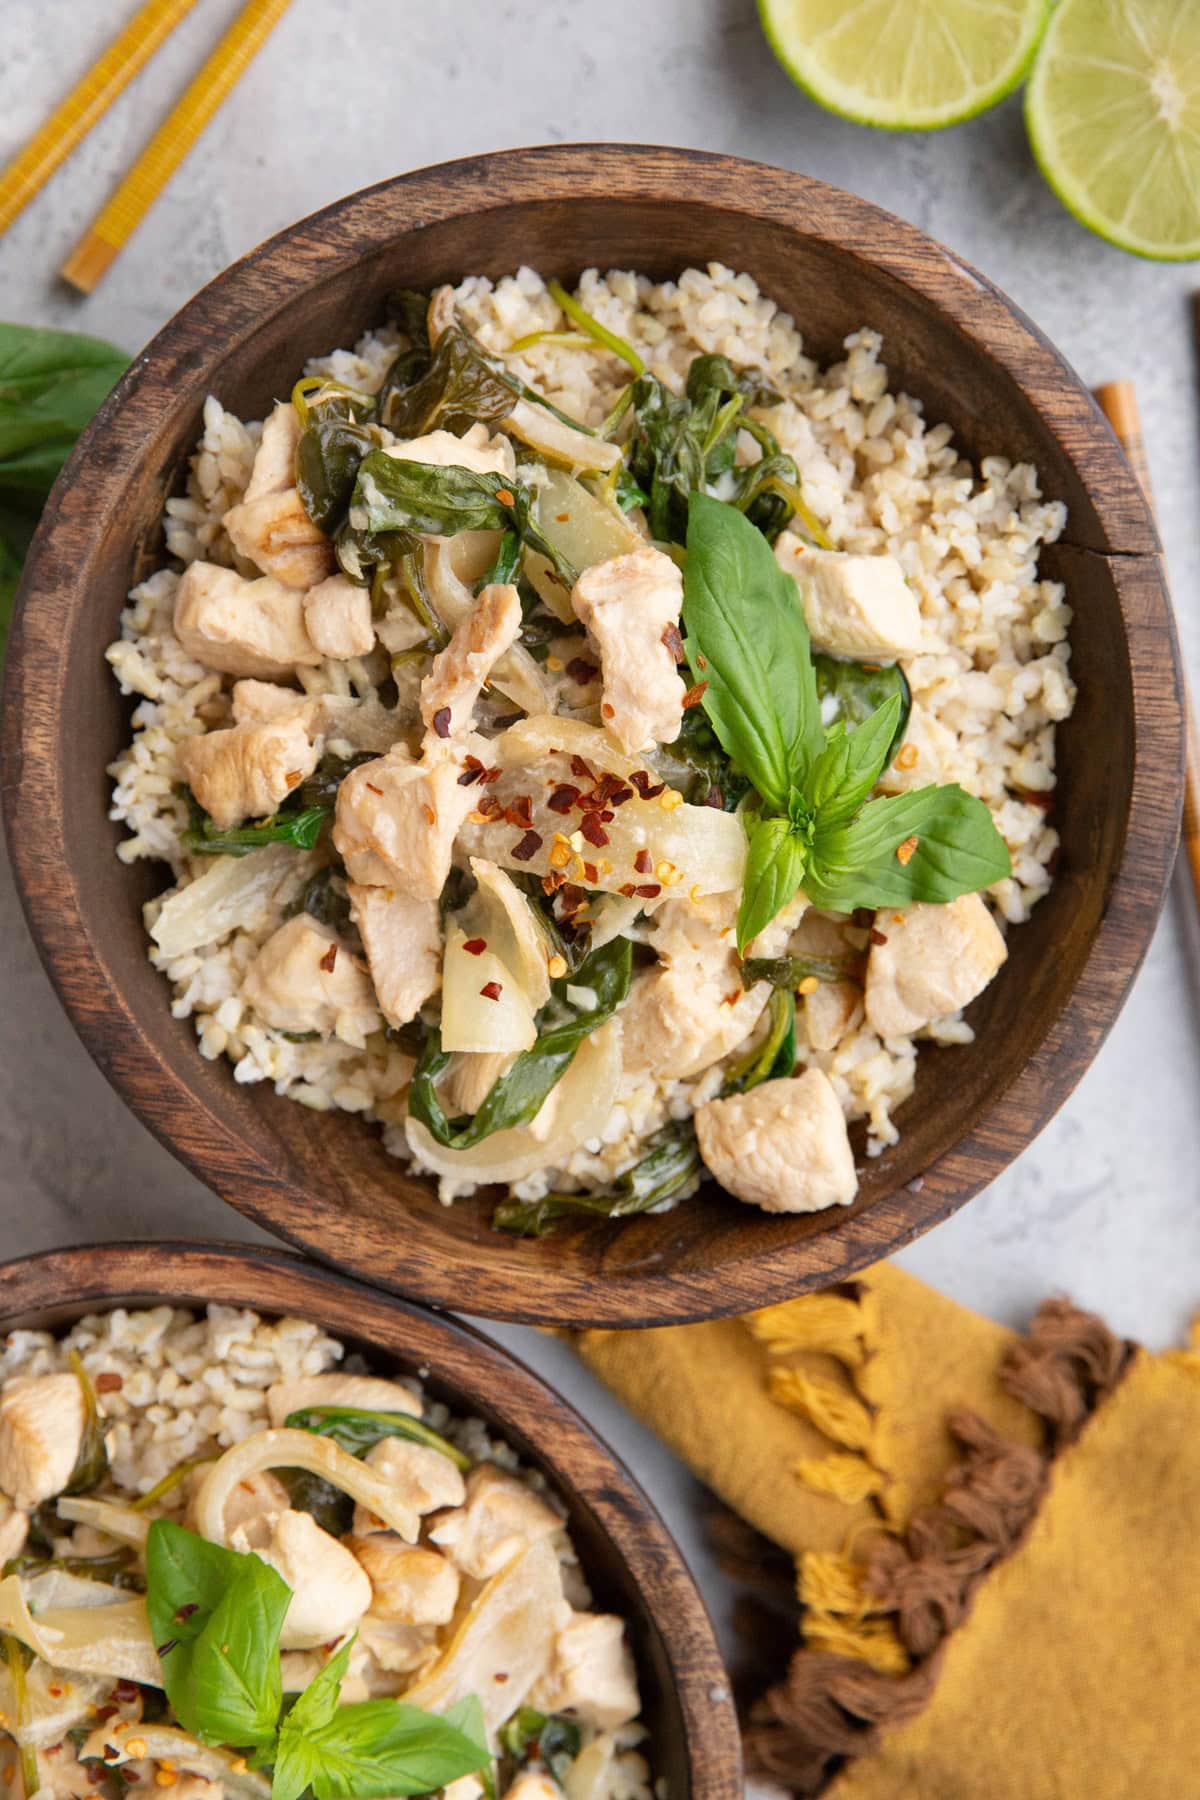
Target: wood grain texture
[
  {"x": 324, "y": 1182},
  {"x": 630, "y": 1560}
]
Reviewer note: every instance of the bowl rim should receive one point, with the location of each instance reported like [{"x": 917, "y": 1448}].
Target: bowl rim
[
  {"x": 583, "y": 1467},
  {"x": 346, "y": 234}
]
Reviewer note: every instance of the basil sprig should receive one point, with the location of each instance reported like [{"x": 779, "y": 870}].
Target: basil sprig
[
  {"x": 217, "y": 1616},
  {"x": 816, "y": 828}
]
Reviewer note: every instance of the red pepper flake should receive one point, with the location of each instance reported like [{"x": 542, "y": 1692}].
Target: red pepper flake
[
  {"x": 627, "y": 888},
  {"x": 672, "y": 640},
  {"x": 648, "y": 789},
  {"x": 581, "y": 671},
  {"x": 374, "y": 789},
  {"x": 563, "y": 798},
  {"x": 520, "y": 813},
  {"x": 643, "y": 862},
  {"x": 608, "y": 711},
  {"x": 105, "y": 1713},
  {"x": 553, "y": 881},
  {"x": 493, "y": 774},
  {"x": 529, "y": 843},
  {"x": 489, "y": 808},
  {"x": 476, "y": 946},
  {"x": 580, "y": 768},
  {"x": 441, "y": 721},
  {"x": 571, "y": 899},
  {"x": 621, "y": 795},
  {"x": 187, "y": 1609},
  {"x": 694, "y": 695},
  {"x": 55, "y": 1690},
  {"x": 506, "y": 497},
  {"x": 108, "y": 1384},
  {"x": 126, "y": 1692},
  {"x": 593, "y": 831},
  {"x": 591, "y": 873},
  {"x": 500, "y": 1675},
  {"x": 649, "y": 891},
  {"x": 877, "y": 936},
  {"x": 470, "y": 775},
  {"x": 329, "y": 959},
  {"x": 491, "y": 990}
]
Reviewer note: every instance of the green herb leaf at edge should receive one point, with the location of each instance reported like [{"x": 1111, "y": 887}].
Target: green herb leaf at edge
[
  {"x": 775, "y": 867},
  {"x": 51, "y": 383},
  {"x": 958, "y": 851},
  {"x": 747, "y": 638}
]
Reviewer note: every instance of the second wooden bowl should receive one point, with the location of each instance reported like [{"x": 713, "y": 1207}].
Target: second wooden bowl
[
  {"x": 324, "y": 1181},
  {"x": 631, "y": 1562}
]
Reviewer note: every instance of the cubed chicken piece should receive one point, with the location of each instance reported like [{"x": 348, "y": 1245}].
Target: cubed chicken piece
[
  {"x": 630, "y": 605},
  {"x": 305, "y": 979},
  {"x": 14, "y": 1529},
  {"x": 41, "y": 1431},
  {"x": 680, "y": 1020},
  {"x": 856, "y": 606},
  {"x": 409, "y": 1584},
  {"x": 242, "y": 627},
  {"x": 363, "y": 724},
  {"x": 367, "y": 1393},
  {"x": 475, "y": 449},
  {"x": 403, "y": 940},
  {"x": 831, "y": 1009},
  {"x": 929, "y": 754},
  {"x": 330, "y": 1591},
  {"x": 397, "y": 821},
  {"x": 338, "y": 618},
  {"x": 928, "y": 961},
  {"x": 275, "y": 464},
  {"x": 260, "y": 702},
  {"x": 246, "y": 771},
  {"x": 502, "y": 1517},
  {"x": 783, "y": 1146},
  {"x": 591, "y": 1673},
  {"x": 421, "y": 1476},
  {"x": 458, "y": 673},
  {"x": 392, "y": 1648},
  {"x": 276, "y": 534}
]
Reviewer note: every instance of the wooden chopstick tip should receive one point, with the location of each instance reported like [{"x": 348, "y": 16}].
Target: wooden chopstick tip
[{"x": 88, "y": 262}]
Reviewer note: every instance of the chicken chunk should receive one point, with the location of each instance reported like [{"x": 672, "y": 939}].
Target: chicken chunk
[
  {"x": 338, "y": 618},
  {"x": 680, "y": 1020},
  {"x": 276, "y": 534},
  {"x": 830, "y": 1011},
  {"x": 422, "y": 1477},
  {"x": 397, "y": 821},
  {"x": 475, "y": 449},
  {"x": 330, "y": 1591},
  {"x": 392, "y": 1648},
  {"x": 409, "y": 1584},
  {"x": 41, "y": 1430},
  {"x": 14, "y": 1529},
  {"x": 630, "y": 605},
  {"x": 931, "y": 961},
  {"x": 370, "y": 1393},
  {"x": 591, "y": 1673},
  {"x": 783, "y": 1146},
  {"x": 403, "y": 940},
  {"x": 242, "y": 627},
  {"x": 244, "y": 772},
  {"x": 363, "y": 724},
  {"x": 275, "y": 464},
  {"x": 501, "y": 1517},
  {"x": 304, "y": 979},
  {"x": 458, "y": 673},
  {"x": 856, "y": 606}
]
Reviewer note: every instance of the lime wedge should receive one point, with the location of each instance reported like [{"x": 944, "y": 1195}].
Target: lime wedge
[
  {"x": 1113, "y": 110},
  {"x": 908, "y": 65}
]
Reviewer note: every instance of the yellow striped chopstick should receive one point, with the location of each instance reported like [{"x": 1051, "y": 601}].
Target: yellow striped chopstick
[
  {"x": 125, "y": 211},
  {"x": 70, "y": 122}
]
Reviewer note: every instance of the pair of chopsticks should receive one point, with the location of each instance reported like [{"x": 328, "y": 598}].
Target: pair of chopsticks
[
  {"x": 74, "y": 117},
  {"x": 1118, "y": 402}
]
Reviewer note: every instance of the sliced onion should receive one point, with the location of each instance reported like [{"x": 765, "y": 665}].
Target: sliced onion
[
  {"x": 132, "y": 1741},
  {"x": 55, "y": 1701},
  {"x": 512, "y": 928},
  {"x": 485, "y": 1008},
  {"x": 560, "y": 442},
  {"x": 109, "y": 1516},
  {"x": 590, "y": 1775},
  {"x": 577, "y": 524},
  {"x": 93, "y": 1640},
  {"x": 234, "y": 893},
  {"x": 508, "y": 1631},
  {"x": 291, "y": 1449}
]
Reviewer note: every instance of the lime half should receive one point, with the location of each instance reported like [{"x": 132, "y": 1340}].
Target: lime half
[
  {"x": 908, "y": 65},
  {"x": 1113, "y": 110}
]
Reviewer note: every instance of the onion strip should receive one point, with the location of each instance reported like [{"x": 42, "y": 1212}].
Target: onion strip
[
  {"x": 132, "y": 1740},
  {"x": 291, "y": 1449},
  {"x": 89, "y": 1640},
  {"x": 109, "y": 1516}
]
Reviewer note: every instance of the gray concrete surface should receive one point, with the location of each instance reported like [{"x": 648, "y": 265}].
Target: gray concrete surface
[{"x": 1107, "y": 1202}]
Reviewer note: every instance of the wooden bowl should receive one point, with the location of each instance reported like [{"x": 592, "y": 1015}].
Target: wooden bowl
[
  {"x": 632, "y": 1564},
  {"x": 324, "y": 1181}
]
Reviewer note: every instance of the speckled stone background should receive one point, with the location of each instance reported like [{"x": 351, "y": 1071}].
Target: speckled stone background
[{"x": 1106, "y": 1203}]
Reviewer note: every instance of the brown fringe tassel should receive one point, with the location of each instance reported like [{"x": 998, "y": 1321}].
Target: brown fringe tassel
[{"x": 829, "y": 1708}]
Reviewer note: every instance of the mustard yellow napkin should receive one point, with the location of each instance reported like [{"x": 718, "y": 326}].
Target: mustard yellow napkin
[{"x": 997, "y": 1538}]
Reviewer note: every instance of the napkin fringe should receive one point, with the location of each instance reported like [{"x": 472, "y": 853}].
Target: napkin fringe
[{"x": 875, "y": 1627}]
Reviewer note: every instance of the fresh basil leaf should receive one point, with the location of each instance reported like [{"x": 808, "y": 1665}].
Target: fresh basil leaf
[
  {"x": 958, "y": 850},
  {"x": 856, "y": 691},
  {"x": 746, "y": 637},
  {"x": 850, "y": 765},
  {"x": 301, "y": 829},
  {"x": 517, "y": 1096},
  {"x": 670, "y": 1163},
  {"x": 358, "y": 1430},
  {"x": 295, "y": 1766},
  {"x": 372, "y": 1750},
  {"x": 51, "y": 382},
  {"x": 775, "y": 868},
  {"x": 216, "y": 1616}
]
